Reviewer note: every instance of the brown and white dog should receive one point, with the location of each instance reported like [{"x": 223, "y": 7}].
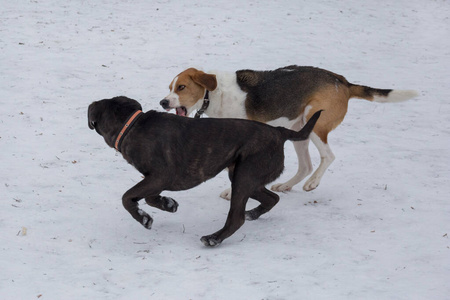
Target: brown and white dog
[{"x": 283, "y": 97}]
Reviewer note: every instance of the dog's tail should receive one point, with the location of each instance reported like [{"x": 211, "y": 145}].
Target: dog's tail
[
  {"x": 303, "y": 134},
  {"x": 380, "y": 95}
]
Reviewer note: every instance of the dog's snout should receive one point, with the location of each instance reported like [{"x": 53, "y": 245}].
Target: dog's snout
[{"x": 165, "y": 103}]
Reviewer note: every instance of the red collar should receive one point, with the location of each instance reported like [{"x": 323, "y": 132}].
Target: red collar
[{"x": 131, "y": 120}]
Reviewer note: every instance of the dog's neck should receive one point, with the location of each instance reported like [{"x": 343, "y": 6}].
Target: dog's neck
[
  {"x": 125, "y": 129},
  {"x": 204, "y": 107},
  {"x": 227, "y": 100}
]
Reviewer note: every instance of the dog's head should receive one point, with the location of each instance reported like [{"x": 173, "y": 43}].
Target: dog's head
[
  {"x": 187, "y": 90},
  {"x": 108, "y": 116}
]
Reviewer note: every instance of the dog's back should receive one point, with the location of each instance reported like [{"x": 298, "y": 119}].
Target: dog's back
[
  {"x": 270, "y": 94},
  {"x": 193, "y": 147}
]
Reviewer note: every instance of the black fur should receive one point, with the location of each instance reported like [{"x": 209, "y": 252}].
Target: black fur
[
  {"x": 177, "y": 153},
  {"x": 370, "y": 92},
  {"x": 270, "y": 94}
]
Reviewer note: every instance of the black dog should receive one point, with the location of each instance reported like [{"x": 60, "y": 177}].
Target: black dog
[{"x": 176, "y": 153}]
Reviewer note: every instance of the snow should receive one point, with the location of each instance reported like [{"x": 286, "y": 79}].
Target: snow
[{"x": 376, "y": 228}]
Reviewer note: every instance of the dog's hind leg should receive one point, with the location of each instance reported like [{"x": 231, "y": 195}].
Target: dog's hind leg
[
  {"x": 304, "y": 167},
  {"x": 235, "y": 219},
  {"x": 326, "y": 158},
  {"x": 146, "y": 189},
  {"x": 242, "y": 186},
  {"x": 267, "y": 199},
  {"x": 334, "y": 101}
]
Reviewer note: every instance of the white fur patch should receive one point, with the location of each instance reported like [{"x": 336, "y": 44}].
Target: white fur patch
[
  {"x": 326, "y": 158},
  {"x": 227, "y": 100},
  {"x": 396, "y": 96},
  {"x": 174, "y": 84},
  {"x": 305, "y": 113},
  {"x": 174, "y": 99},
  {"x": 283, "y": 122}
]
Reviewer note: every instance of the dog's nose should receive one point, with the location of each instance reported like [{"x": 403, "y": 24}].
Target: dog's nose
[{"x": 165, "y": 103}]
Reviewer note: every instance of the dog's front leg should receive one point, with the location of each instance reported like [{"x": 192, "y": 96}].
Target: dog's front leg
[
  {"x": 163, "y": 203},
  {"x": 143, "y": 189},
  {"x": 235, "y": 219}
]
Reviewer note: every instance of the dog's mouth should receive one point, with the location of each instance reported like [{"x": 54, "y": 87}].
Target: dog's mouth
[{"x": 181, "y": 111}]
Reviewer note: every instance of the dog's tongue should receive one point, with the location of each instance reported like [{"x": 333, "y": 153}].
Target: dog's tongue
[{"x": 181, "y": 112}]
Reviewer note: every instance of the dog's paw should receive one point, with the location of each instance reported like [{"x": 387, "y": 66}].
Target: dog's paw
[
  {"x": 311, "y": 184},
  {"x": 210, "y": 240},
  {"x": 226, "y": 194},
  {"x": 169, "y": 204},
  {"x": 281, "y": 187},
  {"x": 147, "y": 221}
]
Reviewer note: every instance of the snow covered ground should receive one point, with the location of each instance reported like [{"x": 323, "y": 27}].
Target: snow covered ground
[{"x": 377, "y": 227}]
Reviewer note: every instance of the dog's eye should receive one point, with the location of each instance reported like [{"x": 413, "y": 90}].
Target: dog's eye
[{"x": 181, "y": 87}]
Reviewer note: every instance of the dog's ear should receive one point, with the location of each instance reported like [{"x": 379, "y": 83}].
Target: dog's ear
[
  {"x": 248, "y": 78},
  {"x": 91, "y": 121},
  {"x": 208, "y": 81}
]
